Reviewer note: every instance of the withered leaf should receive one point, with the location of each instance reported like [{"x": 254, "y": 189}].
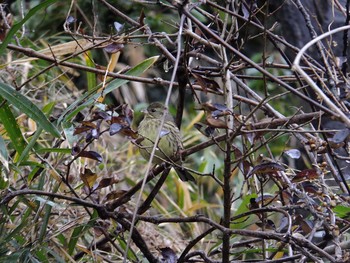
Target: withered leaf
[
  {"x": 120, "y": 120},
  {"x": 206, "y": 83},
  {"x": 305, "y": 175},
  {"x": 267, "y": 168},
  {"x": 237, "y": 152},
  {"x": 113, "y": 48},
  {"x": 128, "y": 113},
  {"x": 129, "y": 132},
  {"x": 85, "y": 126},
  {"x": 334, "y": 145},
  {"x": 105, "y": 182},
  {"x": 89, "y": 124},
  {"x": 198, "y": 32},
  {"x": 305, "y": 224},
  {"x": 114, "y": 195},
  {"x": 91, "y": 155},
  {"x": 204, "y": 129},
  {"x": 81, "y": 129},
  {"x": 220, "y": 113},
  {"x": 142, "y": 18},
  {"x": 207, "y": 106},
  {"x": 216, "y": 122},
  {"x": 285, "y": 196},
  {"x": 118, "y": 123},
  {"x": 310, "y": 188},
  {"x": 88, "y": 177},
  {"x": 101, "y": 115},
  {"x": 245, "y": 166},
  {"x": 102, "y": 224}
]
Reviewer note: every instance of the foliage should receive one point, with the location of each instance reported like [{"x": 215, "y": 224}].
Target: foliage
[{"x": 268, "y": 151}]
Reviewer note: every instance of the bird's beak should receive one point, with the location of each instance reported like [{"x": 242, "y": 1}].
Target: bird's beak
[{"x": 144, "y": 111}]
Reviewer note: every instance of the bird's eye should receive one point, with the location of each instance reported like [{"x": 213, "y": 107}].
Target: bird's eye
[{"x": 153, "y": 110}]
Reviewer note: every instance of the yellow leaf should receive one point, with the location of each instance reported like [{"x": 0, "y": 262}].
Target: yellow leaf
[{"x": 88, "y": 177}]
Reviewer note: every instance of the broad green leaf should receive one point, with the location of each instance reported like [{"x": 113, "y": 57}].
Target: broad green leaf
[
  {"x": 54, "y": 150},
  {"x": 32, "y": 141},
  {"x": 19, "y": 25},
  {"x": 91, "y": 77},
  {"x": 45, "y": 220},
  {"x": 57, "y": 257},
  {"x": 342, "y": 211},
  {"x": 30, "y": 145},
  {"x": 49, "y": 204},
  {"x": 26, "y": 106},
  {"x": 68, "y": 129},
  {"x": 131, "y": 254},
  {"x": 34, "y": 171},
  {"x": 90, "y": 97},
  {"x": 78, "y": 232},
  {"x": 41, "y": 255},
  {"x": 11, "y": 126},
  {"x": 4, "y": 182},
  {"x": 16, "y": 232},
  {"x": 243, "y": 222},
  {"x": 3, "y": 150},
  {"x": 3, "y": 154}
]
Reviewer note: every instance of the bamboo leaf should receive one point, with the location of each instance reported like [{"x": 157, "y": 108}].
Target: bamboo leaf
[
  {"x": 91, "y": 77},
  {"x": 19, "y": 25},
  {"x": 32, "y": 141},
  {"x": 27, "y": 107},
  {"x": 11, "y": 127}
]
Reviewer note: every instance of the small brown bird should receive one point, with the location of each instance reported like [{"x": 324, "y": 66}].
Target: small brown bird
[{"x": 169, "y": 145}]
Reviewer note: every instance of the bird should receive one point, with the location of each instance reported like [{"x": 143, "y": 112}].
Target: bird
[{"x": 170, "y": 143}]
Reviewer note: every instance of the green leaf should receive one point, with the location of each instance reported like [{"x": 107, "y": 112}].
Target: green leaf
[
  {"x": 131, "y": 254},
  {"x": 30, "y": 145},
  {"x": 32, "y": 141},
  {"x": 90, "y": 97},
  {"x": 77, "y": 232},
  {"x": 57, "y": 257},
  {"x": 11, "y": 127},
  {"x": 91, "y": 77},
  {"x": 19, "y": 25},
  {"x": 4, "y": 182},
  {"x": 26, "y": 106},
  {"x": 3, "y": 154},
  {"x": 54, "y": 150},
  {"x": 243, "y": 222},
  {"x": 342, "y": 211}
]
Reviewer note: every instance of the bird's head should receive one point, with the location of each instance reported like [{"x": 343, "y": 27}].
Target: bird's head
[{"x": 155, "y": 110}]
